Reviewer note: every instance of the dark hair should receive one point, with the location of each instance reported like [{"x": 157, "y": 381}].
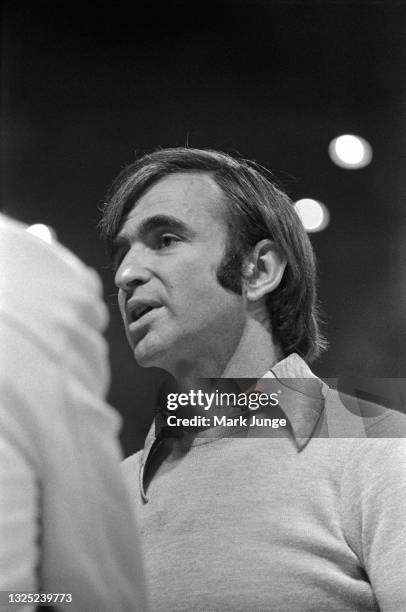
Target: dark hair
[{"x": 257, "y": 210}]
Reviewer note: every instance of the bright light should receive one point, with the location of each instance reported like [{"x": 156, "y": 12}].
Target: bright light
[
  {"x": 42, "y": 231},
  {"x": 349, "y": 151},
  {"x": 313, "y": 214}
]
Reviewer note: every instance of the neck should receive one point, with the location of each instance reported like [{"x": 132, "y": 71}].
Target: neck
[
  {"x": 253, "y": 354},
  {"x": 256, "y": 352}
]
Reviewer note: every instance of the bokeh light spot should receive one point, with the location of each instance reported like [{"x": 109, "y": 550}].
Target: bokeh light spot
[
  {"x": 313, "y": 214},
  {"x": 350, "y": 152},
  {"x": 42, "y": 231}
]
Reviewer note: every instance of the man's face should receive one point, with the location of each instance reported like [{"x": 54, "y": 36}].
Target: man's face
[{"x": 176, "y": 314}]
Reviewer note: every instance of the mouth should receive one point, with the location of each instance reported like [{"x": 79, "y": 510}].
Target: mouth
[{"x": 139, "y": 311}]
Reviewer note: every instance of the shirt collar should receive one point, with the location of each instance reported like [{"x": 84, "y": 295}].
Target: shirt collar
[
  {"x": 302, "y": 395},
  {"x": 301, "y": 399}
]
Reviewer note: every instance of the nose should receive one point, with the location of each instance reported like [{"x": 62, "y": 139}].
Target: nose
[{"x": 131, "y": 273}]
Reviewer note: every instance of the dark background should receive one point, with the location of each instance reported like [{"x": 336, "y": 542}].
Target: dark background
[{"x": 86, "y": 88}]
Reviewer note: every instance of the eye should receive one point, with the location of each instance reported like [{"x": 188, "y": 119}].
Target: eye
[{"x": 167, "y": 240}]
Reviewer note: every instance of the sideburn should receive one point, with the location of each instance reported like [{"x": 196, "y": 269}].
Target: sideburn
[{"x": 229, "y": 272}]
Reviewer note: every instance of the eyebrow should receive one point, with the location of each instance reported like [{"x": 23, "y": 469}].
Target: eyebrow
[{"x": 152, "y": 224}]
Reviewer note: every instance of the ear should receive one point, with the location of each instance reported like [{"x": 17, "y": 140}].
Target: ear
[{"x": 263, "y": 270}]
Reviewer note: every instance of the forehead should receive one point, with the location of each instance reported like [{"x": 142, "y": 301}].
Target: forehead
[{"x": 193, "y": 197}]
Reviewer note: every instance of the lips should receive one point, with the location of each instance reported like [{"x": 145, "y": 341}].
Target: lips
[
  {"x": 137, "y": 313},
  {"x": 138, "y": 308}
]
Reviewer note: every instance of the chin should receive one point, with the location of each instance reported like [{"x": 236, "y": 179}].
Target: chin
[
  {"x": 149, "y": 355},
  {"x": 145, "y": 359},
  {"x": 162, "y": 351}
]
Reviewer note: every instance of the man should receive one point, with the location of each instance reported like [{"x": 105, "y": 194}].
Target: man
[
  {"x": 216, "y": 279},
  {"x": 67, "y": 532}
]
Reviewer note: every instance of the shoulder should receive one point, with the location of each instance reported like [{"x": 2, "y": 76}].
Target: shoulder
[
  {"x": 375, "y": 474},
  {"x": 363, "y": 413}
]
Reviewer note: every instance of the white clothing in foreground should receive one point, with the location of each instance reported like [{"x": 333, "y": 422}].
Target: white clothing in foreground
[{"x": 66, "y": 520}]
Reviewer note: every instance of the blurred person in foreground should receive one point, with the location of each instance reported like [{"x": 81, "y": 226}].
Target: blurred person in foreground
[
  {"x": 66, "y": 520},
  {"x": 216, "y": 279}
]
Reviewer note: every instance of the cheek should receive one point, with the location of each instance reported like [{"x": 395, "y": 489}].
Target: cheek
[
  {"x": 196, "y": 288},
  {"x": 203, "y": 299},
  {"x": 193, "y": 286}
]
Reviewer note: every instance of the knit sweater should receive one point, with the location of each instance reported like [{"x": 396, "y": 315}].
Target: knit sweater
[{"x": 295, "y": 523}]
